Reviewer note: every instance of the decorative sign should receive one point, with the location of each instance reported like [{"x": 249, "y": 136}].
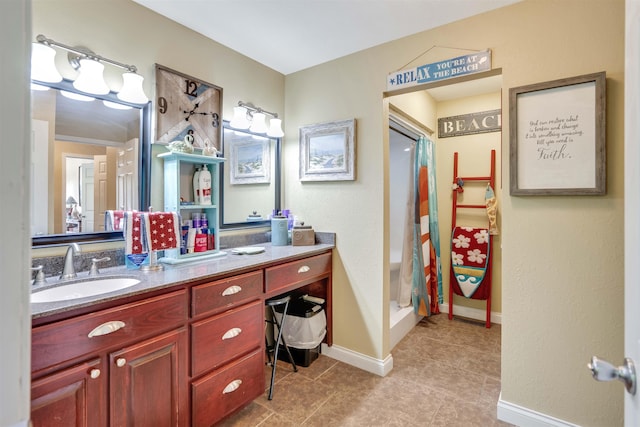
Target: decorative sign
[
  {"x": 470, "y": 124},
  {"x": 447, "y": 69},
  {"x": 557, "y": 133}
]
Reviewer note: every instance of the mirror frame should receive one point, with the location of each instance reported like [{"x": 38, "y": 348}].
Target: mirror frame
[
  {"x": 144, "y": 172},
  {"x": 276, "y": 176}
]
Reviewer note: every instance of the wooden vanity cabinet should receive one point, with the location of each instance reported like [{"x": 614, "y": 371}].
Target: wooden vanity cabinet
[
  {"x": 141, "y": 361},
  {"x": 148, "y": 382},
  {"x": 71, "y": 397},
  {"x": 227, "y": 352},
  {"x": 188, "y": 357}
]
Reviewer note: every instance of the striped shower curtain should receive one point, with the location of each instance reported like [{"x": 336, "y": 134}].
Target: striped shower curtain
[{"x": 426, "y": 292}]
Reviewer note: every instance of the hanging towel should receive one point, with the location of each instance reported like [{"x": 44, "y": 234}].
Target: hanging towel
[
  {"x": 162, "y": 230},
  {"x": 135, "y": 247},
  {"x": 469, "y": 261},
  {"x": 492, "y": 210},
  {"x": 113, "y": 220}
]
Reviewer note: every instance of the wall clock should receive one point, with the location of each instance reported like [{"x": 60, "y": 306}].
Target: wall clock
[{"x": 186, "y": 105}]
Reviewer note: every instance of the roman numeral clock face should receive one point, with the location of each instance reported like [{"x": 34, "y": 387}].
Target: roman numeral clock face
[{"x": 187, "y": 106}]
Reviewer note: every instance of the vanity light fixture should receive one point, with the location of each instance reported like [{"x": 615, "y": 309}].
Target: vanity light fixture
[
  {"x": 246, "y": 116},
  {"x": 91, "y": 67},
  {"x": 43, "y": 67},
  {"x": 91, "y": 77}
]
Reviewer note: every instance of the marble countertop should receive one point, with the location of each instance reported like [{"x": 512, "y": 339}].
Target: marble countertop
[{"x": 173, "y": 275}]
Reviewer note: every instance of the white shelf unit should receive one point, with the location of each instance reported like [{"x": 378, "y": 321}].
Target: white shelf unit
[{"x": 178, "y": 187}]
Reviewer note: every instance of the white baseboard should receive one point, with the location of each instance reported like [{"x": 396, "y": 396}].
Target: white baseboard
[
  {"x": 359, "y": 360},
  {"x": 524, "y": 417},
  {"x": 472, "y": 313}
]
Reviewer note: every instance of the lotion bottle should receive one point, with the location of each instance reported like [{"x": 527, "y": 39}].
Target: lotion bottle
[
  {"x": 205, "y": 186},
  {"x": 196, "y": 186}
]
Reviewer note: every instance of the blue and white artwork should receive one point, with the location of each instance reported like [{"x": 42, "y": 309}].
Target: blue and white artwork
[{"x": 327, "y": 152}]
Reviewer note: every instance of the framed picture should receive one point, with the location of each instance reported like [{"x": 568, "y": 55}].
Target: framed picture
[
  {"x": 557, "y": 133},
  {"x": 250, "y": 161},
  {"x": 327, "y": 151}
]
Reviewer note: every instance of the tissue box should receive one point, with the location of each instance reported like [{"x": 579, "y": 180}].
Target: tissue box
[{"x": 303, "y": 236}]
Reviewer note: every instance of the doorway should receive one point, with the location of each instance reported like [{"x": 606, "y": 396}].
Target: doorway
[{"x": 424, "y": 107}]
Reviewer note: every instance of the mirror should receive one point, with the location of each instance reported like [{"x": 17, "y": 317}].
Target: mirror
[
  {"x": 86, "y": 158},
  {"x": 250, "y": 177}
]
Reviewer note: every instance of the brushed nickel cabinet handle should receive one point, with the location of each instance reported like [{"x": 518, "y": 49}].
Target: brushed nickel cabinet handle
[
  {"x": 304, "y": 269},
  {"x": 120, "y": 362},
  {"x": 106, "y": 328},
  {"x": 232, "y": 386},
  {"x": 232, "y": 333},
  {"x": 95, "y": 373},
  {"x": 231, "y": 290}
]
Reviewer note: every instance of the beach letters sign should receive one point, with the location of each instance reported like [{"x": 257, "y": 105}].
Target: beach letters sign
[
  {"x": 447, "y": 69},
  {"x": 470, "y": 124}
]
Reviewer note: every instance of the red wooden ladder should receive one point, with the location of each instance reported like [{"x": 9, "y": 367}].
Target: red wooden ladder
[{"x": 474, "y": 179}]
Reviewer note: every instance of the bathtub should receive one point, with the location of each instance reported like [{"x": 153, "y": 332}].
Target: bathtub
[{"x": 401, "y": 319}]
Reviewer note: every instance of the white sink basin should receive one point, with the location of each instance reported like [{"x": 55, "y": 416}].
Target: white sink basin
[{"x": 83, "y": 289}]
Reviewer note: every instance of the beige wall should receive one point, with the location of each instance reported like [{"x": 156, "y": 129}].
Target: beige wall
[
  {"x": 562, "y": 292},
  {"x": 562, "y": 287}
]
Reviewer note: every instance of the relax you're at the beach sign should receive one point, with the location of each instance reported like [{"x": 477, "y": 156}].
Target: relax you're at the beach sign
[{"x": 473, "y": 63}]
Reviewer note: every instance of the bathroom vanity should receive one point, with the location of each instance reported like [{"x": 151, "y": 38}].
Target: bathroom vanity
[{"x": 185, "y": 347}]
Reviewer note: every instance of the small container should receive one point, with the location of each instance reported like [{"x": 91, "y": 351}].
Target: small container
[
  {"x": 279, "y": 232},
  {"x": 196, "y": 221}
]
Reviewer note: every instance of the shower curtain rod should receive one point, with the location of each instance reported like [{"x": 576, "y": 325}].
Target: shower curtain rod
[{"x": 403, "y": 120}]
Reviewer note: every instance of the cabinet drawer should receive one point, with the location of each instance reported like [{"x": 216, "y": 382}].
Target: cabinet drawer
[
  {"x": 223, "y": 391},
  {"x": 296, "y": 272},
  {"x": 68, "y": 339},
  {"x": 224, "y": 294},
  {"x": 220, "y": 338}
]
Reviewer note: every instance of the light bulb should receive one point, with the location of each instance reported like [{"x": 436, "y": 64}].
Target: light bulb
[
  {"x": 275, "y": 128},
  {"x": 132, "y": 90},
  {"x": 239, "y": 120},
  {"x": 43, "y": 66},
  {"x": 90, "y": 79},
  {"x": 258, "y": 124}
]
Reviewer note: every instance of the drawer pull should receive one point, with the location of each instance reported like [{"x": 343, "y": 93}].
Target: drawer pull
[
  {"x": 120, "y": 362},
  {"x": 231, "y": 290},
  {"x": 95, "y": 373},
  {"x": 304, "y": 269},
  {"x": 232, "y": 386},
  {"x": 231, "y": 333},
  {"x": 106, "y": 328}
]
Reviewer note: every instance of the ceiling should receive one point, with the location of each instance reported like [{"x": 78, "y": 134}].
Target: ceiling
[{"x": 292, "y": 35}]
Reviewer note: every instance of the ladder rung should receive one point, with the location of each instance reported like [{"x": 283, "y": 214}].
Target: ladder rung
[{"x": 472, "y": 206}]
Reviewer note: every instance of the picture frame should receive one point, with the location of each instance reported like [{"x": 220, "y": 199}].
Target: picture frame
[
  {"x": 557, "y": 137},
  {"x": 328, "y": 151},
  {"x": 250, "y": 161}
]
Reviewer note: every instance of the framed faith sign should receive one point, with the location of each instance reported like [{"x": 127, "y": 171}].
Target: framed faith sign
[{"x": 557, "y": 133}]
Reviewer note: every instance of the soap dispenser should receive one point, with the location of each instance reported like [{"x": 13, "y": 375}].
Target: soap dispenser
[{"x": 204, "y": 181}]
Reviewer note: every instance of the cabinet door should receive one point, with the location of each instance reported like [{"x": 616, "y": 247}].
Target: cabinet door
[
  {"x": 148, "y": 382},
  {"x": 70, "y": 397}
]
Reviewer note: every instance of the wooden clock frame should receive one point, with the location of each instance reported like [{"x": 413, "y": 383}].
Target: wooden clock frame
[{"x": 187, "y": 105}]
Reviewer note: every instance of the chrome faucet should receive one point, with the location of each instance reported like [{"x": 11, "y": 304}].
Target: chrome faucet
[{"x": 69, "y": 271}]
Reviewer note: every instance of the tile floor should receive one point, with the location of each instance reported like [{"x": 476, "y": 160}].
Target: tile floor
[{"x": 446, "y": 373}]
